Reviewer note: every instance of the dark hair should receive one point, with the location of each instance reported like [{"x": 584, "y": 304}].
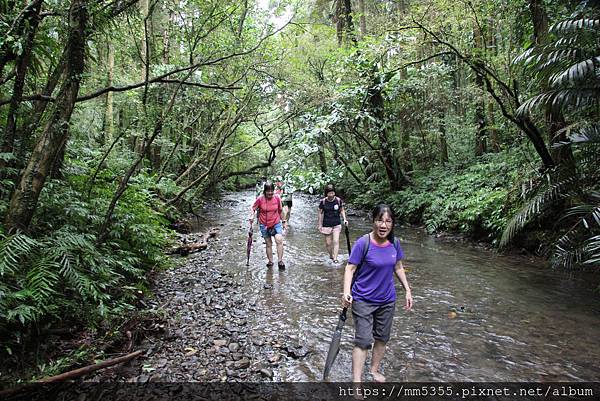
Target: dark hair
[
  {"x": 268, "y": 187},
  {"x": 329, "y": 188},
  {"x": 379, "y": 211}
]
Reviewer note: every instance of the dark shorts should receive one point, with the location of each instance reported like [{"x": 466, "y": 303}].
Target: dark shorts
[
  {"x": 287, "y": 203},
  {"x": 372, "y": 322}
]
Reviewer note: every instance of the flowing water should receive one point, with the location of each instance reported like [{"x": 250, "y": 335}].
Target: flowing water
[{"x": 477, "y": 316}]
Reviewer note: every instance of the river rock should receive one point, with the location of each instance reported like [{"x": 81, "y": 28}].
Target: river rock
[{"x": 243, "y": 363}]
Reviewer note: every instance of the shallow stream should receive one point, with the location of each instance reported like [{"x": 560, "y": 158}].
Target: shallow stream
[{"x": 478, "y": 316}]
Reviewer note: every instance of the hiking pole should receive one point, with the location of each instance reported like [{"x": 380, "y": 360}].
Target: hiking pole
[
  {"x": 347, "y": 238},
  {"x": 249, "y": 245}
]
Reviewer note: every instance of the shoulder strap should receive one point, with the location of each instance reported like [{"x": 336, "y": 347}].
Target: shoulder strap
[
  {"x": 338, "y": 201},
  {"x": 365, "y": 248},
  {"x": 367, "y": 238}
]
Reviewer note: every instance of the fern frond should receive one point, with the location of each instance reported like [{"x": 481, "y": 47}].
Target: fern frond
[
  {"x": 41, "y": 280},
  {"x": 13, "y": 249}
]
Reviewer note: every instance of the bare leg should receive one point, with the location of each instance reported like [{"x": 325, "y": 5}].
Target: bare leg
[
  {"x": 269, "y": 248},
  {"x": 279, "y": 244},
  {"x": 328, "y": 245},
  {"x": 335, "y": 245},
  {"x": 359, "y": 356},
  {"x": 376, "y": 358}
]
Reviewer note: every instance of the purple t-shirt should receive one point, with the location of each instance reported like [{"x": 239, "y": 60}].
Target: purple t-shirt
[{"x": 375, "y": 278}]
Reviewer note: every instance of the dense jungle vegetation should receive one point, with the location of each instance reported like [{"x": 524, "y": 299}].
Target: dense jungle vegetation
[{"x": 120, "y": 116}]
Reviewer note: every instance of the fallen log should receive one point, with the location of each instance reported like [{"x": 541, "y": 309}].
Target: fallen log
[
  {"x": 199, "y": 245},
  {"x": 91, "y": 368},
  {"x": 71, "y": 374}
]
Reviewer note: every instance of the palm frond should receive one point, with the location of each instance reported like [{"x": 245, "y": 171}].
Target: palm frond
[
  {"x": 545, "y": 197},
  {"x": 576, "y": 73},
  {"x": 576, "y": 98},
  {"x": 576, "y": 24},
  {"x": 567, "y": 253},
  {"x": 593, "y": 248},
  {"x": 586, "y": 135}
]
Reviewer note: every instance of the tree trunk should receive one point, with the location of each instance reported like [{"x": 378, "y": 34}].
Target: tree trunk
[
  {"x": 491, "y": 128},
  {"x": 7, "y": 53},
  {"x": 363, "y": 18},
  {"x": 322, "y": 158},
  {"x": 108, "y": 112},
  {"x": 443, "y": 142},
  {"x": 24, "y": 200},
  {"x": 555, "y": 120},
  {"x": 348, "y": 24},
  {"x": 39, "y": 106},
  {"x": 339, "y": 21},
  {"x": 480, "y": 121},
  {"x": 539, "y": 18},
  {"x": 376, "y": 106},
  {"x": 32, "y": 19}
]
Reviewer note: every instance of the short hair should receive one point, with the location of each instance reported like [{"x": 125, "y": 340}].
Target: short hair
[
  {"x": 329, "y": 188},
  {"x": 379, "y": 211},
  {"x": 268, "y": 187}
]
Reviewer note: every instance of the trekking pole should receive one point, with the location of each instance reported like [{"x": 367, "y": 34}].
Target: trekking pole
[{"x": 347, "y": 239}]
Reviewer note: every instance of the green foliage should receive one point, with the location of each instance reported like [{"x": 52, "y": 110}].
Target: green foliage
[
  {"x": 62, "y": 274},
  {"x": 473, "y": 200},
  {"x": 567, "y": 68}
]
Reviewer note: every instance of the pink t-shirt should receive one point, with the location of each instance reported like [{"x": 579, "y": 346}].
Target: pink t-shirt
[{"x": 270, "y": 210}]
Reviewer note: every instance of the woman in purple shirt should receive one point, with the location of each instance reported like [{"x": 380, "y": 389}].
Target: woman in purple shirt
[{"x": 371, "y": 293}]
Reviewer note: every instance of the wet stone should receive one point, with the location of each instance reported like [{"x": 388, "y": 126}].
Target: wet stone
[
  {"x": 206, "y": 310},
  {"x": 242, "y": 363}
]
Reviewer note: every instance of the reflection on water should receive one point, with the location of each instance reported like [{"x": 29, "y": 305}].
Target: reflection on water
[{"x": 477, "y": 316}]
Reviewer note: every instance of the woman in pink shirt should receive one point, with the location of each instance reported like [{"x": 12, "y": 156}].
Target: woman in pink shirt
[{"x": 270, "y": 219}]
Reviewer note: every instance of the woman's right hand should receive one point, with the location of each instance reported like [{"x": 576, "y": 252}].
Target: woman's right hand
[{"x": 346, "y": 300}]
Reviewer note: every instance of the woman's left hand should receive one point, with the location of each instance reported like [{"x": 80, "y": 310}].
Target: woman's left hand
[{"x": 345, "y": 222}]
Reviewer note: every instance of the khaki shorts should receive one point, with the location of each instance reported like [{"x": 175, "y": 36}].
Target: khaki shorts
[{"x": 331, "y": 230}]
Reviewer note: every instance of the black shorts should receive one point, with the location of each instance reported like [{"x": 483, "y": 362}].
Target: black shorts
[{"x": 287, "y": 203}]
